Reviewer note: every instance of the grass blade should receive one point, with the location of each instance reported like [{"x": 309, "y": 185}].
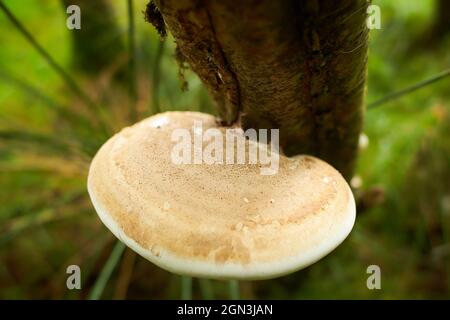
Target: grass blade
[
  {"x": 125, "y": 274},
  {"x": 70, "y": 82},
  {"x": 405, "y": 91},
  {"x": 206, "y": 289},
  {"x": 106, "y": 272},
  {"x": 186, "y": 288},
  {"x": 41, "y": 141},
  {"x": 234, "y": 291},
  {"x": 64, "y": 75},
  {"x": 34, "y": 92},
  {"x": 156, "y": 77},
  {"x": 11, "y": 228},
  {"x": 132, "y": 90}
]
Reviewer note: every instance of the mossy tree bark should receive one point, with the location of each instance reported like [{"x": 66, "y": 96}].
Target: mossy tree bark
[
  {"x": 97, "y": 46},
  {"x": 299, "y": 66}
]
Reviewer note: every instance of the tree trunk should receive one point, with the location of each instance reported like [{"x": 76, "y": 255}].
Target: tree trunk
[
  {"x": 442, "y": 19},
  {"x": 299, "y": 66},
  {"x": 97, "y": 46}
]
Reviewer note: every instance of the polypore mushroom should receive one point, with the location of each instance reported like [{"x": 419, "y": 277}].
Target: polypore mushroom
[{"x": 216, "y": 221}]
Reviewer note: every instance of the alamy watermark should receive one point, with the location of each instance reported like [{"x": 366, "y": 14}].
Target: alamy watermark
[
  {"x": 230, "y": 146},
  {"x": 373, "y": 20},
  {"x": 374, "y": 280},
  {"x": 74, "y": 20},
  {"x": 74, "y": 279}
]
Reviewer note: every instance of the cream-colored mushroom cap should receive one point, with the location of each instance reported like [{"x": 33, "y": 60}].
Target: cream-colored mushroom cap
[{"x": 222, "y": 221}]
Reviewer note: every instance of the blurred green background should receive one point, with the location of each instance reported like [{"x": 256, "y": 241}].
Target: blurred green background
[{"x": 48, "y": 134}]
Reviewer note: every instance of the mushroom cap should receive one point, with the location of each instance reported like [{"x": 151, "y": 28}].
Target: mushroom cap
[{"x": 212, "y": 220}]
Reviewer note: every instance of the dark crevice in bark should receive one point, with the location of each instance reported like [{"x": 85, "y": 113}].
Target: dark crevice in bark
[{"x": 232, "y": 115}]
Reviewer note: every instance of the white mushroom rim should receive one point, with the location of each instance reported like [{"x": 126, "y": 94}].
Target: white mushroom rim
[
  {"x": 200, "y": 269},
  {"x": 216, "y": 221}
]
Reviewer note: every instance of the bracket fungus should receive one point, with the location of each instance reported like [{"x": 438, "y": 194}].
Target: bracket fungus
[{"x": 216, "y": 221}]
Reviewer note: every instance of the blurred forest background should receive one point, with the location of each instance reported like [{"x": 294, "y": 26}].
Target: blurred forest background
[{"x": 51, "y": 128}]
